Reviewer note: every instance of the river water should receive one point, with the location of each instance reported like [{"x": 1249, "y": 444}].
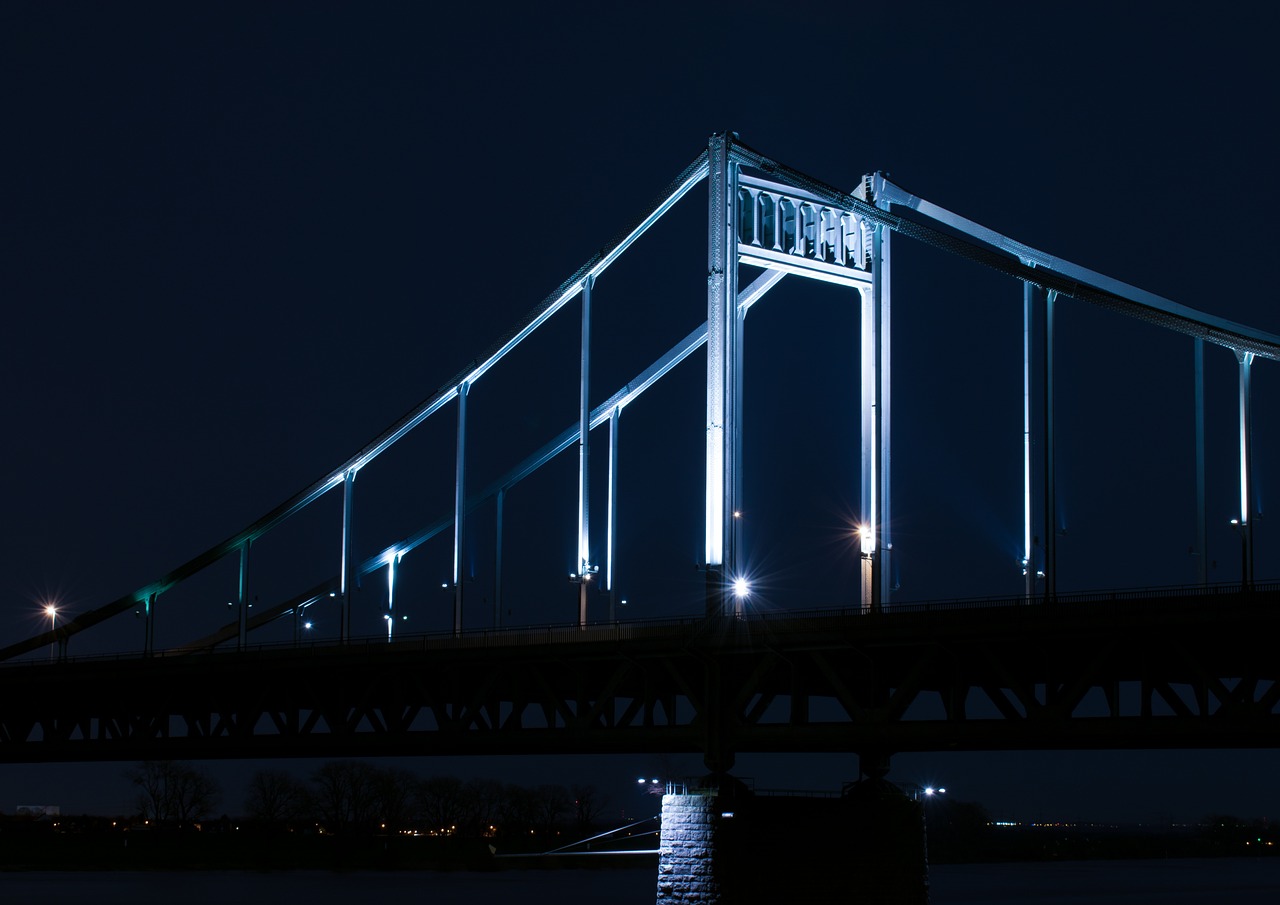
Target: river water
[{"x": 1223, "y": 881}]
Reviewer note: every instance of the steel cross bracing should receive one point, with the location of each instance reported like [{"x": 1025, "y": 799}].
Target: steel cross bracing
[
  {"x": 1187, "y": 669},
  {"x": 762, "y": 214}
]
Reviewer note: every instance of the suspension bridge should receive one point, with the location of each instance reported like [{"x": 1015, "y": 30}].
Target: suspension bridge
[{"x": 1175, "y": 666}]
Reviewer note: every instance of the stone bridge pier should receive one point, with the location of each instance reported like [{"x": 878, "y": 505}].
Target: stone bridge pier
[{"x": 722, "y": 844}]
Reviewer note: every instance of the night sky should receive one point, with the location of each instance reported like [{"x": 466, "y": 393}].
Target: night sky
[{"x": 238, "y": 241}]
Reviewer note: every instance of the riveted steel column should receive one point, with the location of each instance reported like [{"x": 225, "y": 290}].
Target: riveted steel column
[
  {"x": 1202, "y": 550},
  {"x": 867, "y": 493},
  {"x": 723, "y": 360},
  {"x": 242, "y": 635},
  {"x": 497, "y": 559},
  {"x": 584, "y": 457},
  {"x": 392, "y": 562},
  {"x": 344, "y": 590},
  {"x": 1246, "y": 465},
  {"x": 1028, "y": 553},
  {"x": 459, "y": 506},
  {"x": 881, "y": 522},
  {"x": 737, "y": 522},
  {"x": 613, "y": 513},
  {"x": 1050, "y": 494}
]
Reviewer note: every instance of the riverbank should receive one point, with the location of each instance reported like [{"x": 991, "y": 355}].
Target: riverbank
[{"x": 77, "y": 846}]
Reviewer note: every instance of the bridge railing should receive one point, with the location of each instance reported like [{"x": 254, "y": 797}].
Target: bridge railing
[{"x": 699, "y": 629}]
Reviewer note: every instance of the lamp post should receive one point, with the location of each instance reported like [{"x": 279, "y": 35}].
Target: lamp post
[
  {"x": 52, "y": 612},
  {"x": 918, "y": 792}
]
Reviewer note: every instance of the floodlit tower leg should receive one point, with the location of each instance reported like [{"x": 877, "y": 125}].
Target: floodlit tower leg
[
  {"x": 1028, "y": 552},
  {"x": 344, "y": 618},
  {"x": 1246, "y": 465},
  {"x": 584, "y": 457},
  {"x": 1202, "y": 550},
  {"x": 391, "y": 595},
  {"x": 459, "y": 506},
  {"x": 610, "y": 550},
  {"x": 867, "y": 503},
  {"x": 1050, "y": 497},
  {"x": 242, "y": 635},
  {"x": 722, "y": 361},
  {"x": 736, "y": 524},
  {"x": 881, "y": 523}
]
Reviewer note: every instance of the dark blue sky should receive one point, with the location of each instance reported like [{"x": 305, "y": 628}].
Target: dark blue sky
[{"x": 239, "y": 240}]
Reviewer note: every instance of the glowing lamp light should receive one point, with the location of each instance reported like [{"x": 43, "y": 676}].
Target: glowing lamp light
[
  {"x": 307, "y": 626},
  {"x": 740, "y": 587},
  {"x": 50, "y": 610}
]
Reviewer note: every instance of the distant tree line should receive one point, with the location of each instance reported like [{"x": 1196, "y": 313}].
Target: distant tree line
[
  {"x": 172, "y": 792},
  {"x": 353, "y": 797}
]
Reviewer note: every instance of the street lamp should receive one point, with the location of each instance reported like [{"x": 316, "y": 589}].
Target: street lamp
[
  {"x": 918, "y": 792},
  {"x": 52, "y": 612}
]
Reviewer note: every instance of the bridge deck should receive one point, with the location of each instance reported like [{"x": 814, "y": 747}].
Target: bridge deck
[{"x": 1175, "y": 669}]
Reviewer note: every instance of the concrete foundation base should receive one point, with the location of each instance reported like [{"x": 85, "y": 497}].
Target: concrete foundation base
[{"x": 727, "y": 846}]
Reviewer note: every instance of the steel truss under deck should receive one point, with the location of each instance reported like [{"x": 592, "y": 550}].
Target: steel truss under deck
[{"x": 1195, "y": 670}]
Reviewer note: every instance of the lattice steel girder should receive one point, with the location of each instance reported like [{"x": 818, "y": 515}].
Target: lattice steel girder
[{"x": 1193, "y": 671}]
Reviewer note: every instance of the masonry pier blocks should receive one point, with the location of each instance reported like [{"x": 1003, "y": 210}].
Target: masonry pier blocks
[{"x": 727, "y": 846}]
